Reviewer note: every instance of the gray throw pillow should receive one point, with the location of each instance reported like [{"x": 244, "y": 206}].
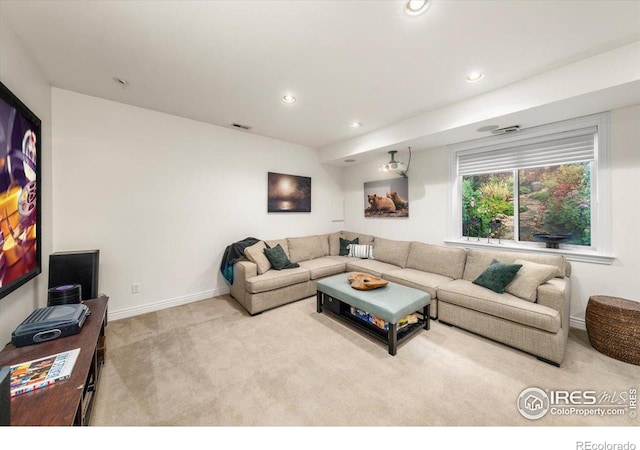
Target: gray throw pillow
[
  {"x": 278, "y": 258},
  {"x": 497, "y": 276},
  {"x": 344, "y": 246}
]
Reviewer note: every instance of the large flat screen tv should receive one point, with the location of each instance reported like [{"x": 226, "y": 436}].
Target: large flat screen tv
[{"x": 20, "y": 248}]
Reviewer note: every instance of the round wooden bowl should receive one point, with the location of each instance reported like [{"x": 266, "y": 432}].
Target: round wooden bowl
[{"x": 613, "y": 327}]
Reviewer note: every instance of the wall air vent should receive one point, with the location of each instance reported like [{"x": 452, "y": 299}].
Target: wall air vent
[
  {"x": 243, "y": 127},
  {"x": 504, "y": 130}
]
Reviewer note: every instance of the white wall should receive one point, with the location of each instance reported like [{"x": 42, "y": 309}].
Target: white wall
[
  {"x": 162, "y": 196},
  {"x": 622, "y": 277},
  {"x": 19, "y": 73},
  {"x": 428, "y": 189},
  {"x": 428, "y": 207}
]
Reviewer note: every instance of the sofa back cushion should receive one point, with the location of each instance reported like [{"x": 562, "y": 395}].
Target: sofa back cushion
[
  {"x": 392, "y": 252},
  {"x": 447, "y": 261},
  {"x": 305, "y": 248},
  {"x": 324, "y": 240},
  {"x": 363, "y": 239},
  {"x": 334, "y": 243},
  {"x": 479, "y": 260}
]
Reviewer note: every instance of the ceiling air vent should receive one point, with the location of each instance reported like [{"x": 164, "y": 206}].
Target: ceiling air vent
[
  {"x": 243, "y": 127},
  {"x": 504, "y": 130}
]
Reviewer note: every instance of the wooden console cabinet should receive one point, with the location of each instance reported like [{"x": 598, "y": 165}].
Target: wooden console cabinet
[{"x": 67, "y": 402}]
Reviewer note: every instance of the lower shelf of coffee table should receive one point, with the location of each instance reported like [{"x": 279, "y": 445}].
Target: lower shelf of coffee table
[{"x": 342, "y": 311}]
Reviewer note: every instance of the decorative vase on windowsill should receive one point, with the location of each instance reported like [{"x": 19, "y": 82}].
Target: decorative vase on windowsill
[
  {"x": 495, "y": 227},
  {"x": 552, "y": 240}
]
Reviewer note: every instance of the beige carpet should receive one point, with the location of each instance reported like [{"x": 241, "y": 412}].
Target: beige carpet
[{"x": 210, "y": 364}]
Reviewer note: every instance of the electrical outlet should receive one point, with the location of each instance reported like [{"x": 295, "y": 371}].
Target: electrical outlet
[{"x": 135, "y": 288}]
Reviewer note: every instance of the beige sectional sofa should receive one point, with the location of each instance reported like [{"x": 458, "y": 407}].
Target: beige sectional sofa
[{"x": 533, "y": 316}]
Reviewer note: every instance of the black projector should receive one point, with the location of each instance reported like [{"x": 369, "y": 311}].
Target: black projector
[{"x": 49, "y": 323}]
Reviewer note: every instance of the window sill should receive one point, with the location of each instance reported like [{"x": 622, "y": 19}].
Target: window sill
[{"x": 571, "y": 254}]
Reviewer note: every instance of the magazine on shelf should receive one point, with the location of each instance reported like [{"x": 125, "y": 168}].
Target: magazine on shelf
[{"x": 38, "y": 373}]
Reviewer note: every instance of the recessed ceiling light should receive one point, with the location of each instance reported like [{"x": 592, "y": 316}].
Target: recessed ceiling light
[
  {"x": 289, "y": 99},
  {"x": 414, "y": 8},
  {"x": 355, "y": 124},
  {"x": 474, "y": 76}
]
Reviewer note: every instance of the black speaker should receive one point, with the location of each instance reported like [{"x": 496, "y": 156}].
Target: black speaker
[
  {"x": 71, "y": 268},
  {"x": 5, "y": 396}
]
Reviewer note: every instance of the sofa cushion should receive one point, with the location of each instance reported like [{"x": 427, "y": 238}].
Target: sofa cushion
[
  {"x": 334, "y": 243},
  {"x": 360, "y": 251},
  {"x": 417, "y": 279},
  {"x": 479, "y": 259},
  {"x": 497, "y": 276},
  {"x": 344, "y": 246},
  {"x": 255, "y": 254},
  {"x": 305, "y": 248},
  {"x": 275, "y": 279},
  {"x": 362, "y": 238},
  {"x": 278, "y": 258},
  {"x": 529, "y": 277},
  {"x": 505, "y": 306},
  {"x": 370, "y": 266},
  {"x": 323, "y": 267},
  {"x": 324, "y": 240},
  {"x": 447, "y": 261},
  {"x": 392, "y": 252}
]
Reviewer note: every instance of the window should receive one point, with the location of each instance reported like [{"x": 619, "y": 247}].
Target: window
[{"x": 510, "y": 189}]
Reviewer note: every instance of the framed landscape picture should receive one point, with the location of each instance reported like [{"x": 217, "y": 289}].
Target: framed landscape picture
[
  {"x": 288, "y": 193},
  {"x": 387, "y": 198}
]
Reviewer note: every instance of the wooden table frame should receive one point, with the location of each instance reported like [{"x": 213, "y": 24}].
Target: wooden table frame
[
  {"x": 391, "y": 337},
  {"x": 67, "y": 402}
]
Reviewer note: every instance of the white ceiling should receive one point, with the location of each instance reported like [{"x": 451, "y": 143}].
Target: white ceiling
[{"x": 225, "y": 62}]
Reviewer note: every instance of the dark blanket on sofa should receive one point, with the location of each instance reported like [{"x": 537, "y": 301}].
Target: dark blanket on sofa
[{"x": 232, "y": 254}]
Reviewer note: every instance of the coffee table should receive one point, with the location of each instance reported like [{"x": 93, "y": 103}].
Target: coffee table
[{"x": 391, "y": 303}]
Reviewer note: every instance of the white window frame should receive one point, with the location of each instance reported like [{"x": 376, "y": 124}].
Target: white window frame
[{"x": 600, "y": 249}]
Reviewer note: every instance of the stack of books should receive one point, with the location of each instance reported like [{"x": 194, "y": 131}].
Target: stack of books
[
  {"x": 381, "y": 323},
  {"x": 38, "y": 373}
]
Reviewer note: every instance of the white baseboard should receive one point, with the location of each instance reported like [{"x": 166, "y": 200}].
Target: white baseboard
[
  {"x": 576, "y": 322},
  {"x": 164, "y": 304}
]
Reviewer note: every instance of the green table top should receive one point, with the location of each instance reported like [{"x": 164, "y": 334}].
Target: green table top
[{"x": 391, "y": 303}]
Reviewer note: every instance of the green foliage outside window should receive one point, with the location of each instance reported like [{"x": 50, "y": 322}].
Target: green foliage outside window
[
  {"x": 555, "y": 199},
  {"x": 485, "y": 198},
  {"x": 568, "y": 207}
]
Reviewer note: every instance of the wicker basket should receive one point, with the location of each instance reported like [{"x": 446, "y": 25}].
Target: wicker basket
[{"x": 613, "y": 327}]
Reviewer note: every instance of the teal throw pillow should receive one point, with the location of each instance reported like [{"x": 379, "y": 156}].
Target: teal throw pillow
[
  {"x": 497, "y": 276},
  {"x": 344, "y": 246},
  {"x": 278, "y": 258}
]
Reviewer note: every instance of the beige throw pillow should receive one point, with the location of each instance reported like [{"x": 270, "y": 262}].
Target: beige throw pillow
[
  {"x": 529, "y": 277},
  {"x": 255, "y": 254}
]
